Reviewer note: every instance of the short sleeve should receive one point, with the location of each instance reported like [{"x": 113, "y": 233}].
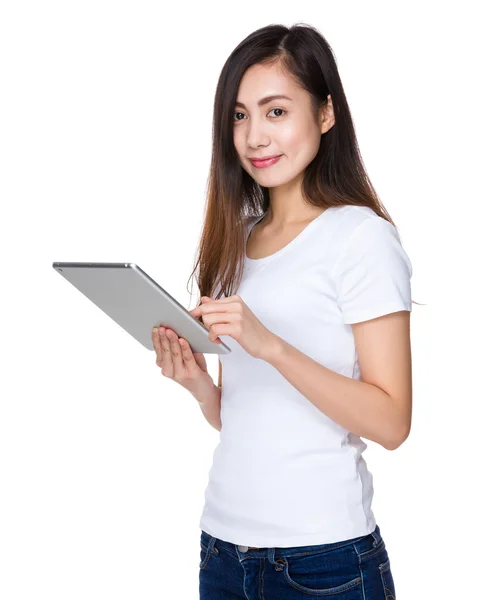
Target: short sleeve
[{"x": 372, "y": 274}]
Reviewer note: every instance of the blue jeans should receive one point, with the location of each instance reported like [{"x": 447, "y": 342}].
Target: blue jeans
[{"x": 356, "y": 569}]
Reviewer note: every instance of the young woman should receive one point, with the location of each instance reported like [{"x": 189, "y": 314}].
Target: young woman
[{"x": 304, "y": 276}]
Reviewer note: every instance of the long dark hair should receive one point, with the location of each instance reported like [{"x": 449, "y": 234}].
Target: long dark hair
[{"x": 336, "y": 176}]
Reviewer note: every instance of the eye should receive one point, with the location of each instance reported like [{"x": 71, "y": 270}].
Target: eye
[
  {"x": 240, "y": 113},
  {"x": 283, "y": 111}
]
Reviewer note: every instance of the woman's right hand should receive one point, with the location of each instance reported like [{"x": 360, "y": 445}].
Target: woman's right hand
[{"x": 178, "y": 362}]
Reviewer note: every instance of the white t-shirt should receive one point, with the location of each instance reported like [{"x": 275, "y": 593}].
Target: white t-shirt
[{"x": 283, "y": 473}]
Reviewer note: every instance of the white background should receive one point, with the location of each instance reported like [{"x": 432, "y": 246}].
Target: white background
[{"x": 105, "y": 141}]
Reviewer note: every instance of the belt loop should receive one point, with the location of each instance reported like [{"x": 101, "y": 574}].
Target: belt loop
[
  {"x": 211, "y": 547},
  {"x": 376, "y": 536},
  {"x": 272, "y": 556}
]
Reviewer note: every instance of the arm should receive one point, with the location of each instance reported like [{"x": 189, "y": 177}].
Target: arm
[
  {"x": 209, "y": 401},
  {"x": 378, "y": 408}
]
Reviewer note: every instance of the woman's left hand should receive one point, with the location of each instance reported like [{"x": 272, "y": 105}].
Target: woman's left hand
[{"x": 231, "y": 316}]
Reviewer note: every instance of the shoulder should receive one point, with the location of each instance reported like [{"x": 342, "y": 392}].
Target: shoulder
[
  {"x": 356, "y": 219},
  {"x": 362, "y": 225},
  {"x": 366, "y": 239}
]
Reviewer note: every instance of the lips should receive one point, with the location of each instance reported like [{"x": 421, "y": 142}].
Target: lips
[
  {"x": 264, "y": 158},
  {"x": 265, "y": 162}
]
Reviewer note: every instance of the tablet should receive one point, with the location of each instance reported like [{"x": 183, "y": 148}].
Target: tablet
[{"x": 137, "y": 303}]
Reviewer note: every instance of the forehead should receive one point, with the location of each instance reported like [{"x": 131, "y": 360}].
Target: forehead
[{"x": 259, "y": 81}]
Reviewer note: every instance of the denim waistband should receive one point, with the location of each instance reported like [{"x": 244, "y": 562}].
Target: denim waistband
[{"x": 364, "y": 544}]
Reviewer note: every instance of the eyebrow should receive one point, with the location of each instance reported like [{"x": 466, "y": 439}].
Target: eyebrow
[{"x": 266, "y": 100}]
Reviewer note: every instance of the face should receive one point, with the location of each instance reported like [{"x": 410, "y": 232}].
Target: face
[{"x": 279, "y": 127}]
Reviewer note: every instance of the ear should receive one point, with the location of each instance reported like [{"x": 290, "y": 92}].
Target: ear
[{"x": 327, "y": 116}]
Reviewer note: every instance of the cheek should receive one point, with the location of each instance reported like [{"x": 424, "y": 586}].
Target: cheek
[
  {"x": 294, "y": 135},
  {"x": 238, "y": 144},
  {"x": 304, "y": 142},
  {"x": 236, "y": 137}
]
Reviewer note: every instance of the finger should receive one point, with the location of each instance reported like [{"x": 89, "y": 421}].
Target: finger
[
  {"x": 219, "y": 329},
  {"x": 167, "y": 366},
  {"x": 226, "y": 299},
  {"x": 176, "y": 353},
  {"x": 190, "y": 363},
  {"x": 215, "y": 306},
  {"x": 156, "y": 342},
  {"x": 227, "y": 318},
  {"x": 196, "y": 311}
]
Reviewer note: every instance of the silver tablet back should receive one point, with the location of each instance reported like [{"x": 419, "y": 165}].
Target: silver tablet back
[{"x": 137, "y": 303}]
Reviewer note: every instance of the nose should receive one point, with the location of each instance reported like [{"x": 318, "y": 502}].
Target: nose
[{"x": 257, "y": 135}]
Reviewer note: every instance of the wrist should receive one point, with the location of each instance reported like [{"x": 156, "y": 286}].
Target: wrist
[
  {"x": 204, "y": 391},
  {"x": 274, "y": 349}
]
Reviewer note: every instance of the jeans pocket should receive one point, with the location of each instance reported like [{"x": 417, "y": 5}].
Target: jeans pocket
[
  {"x": 207, "y": 549},
  {"x": 387, "y": 580},
  {"x": 324, "y": 573},
  {"x": 204, "y": 556}
]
